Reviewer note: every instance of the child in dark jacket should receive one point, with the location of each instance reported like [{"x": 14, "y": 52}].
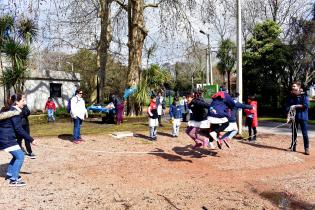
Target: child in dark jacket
[
  {"x": 251, "y": 118},
  {"x": 199, "y": 112},
  {"x": 153, "y": 118},
  {"x": 176, "y": 115}
]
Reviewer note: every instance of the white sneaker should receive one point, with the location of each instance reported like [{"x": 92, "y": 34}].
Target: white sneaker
[{"x": 211, "y": 145}]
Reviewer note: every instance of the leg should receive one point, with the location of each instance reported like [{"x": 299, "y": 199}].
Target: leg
[
  {"x": 294, "y": 136},
  {"x": 160, "y": 120},
  {"x": 303, "y": 124},
  {"x": 76, "y": 129},
  {"x": 28, "y": 147},
  {"x": 154, "y": 131},
  {"x": 255, "y": 133},
  {"x": 16, "y": 164},
  {"x": 80, "y": 124},
  {"x": 174, "y": 128}
]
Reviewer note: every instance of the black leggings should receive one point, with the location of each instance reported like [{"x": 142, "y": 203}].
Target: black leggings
[
  {"x": 219, "y": 127},
  {"x": 249, "y": 122}
]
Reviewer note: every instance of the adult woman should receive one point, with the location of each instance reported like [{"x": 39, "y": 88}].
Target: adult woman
[{"x": 10, "y": 128}]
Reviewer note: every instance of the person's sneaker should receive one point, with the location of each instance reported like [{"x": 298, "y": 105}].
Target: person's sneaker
[
  {"x": 307, "y": 151},
  {"x": 197, "y": 145},
  {"x": 211, "y": 145},
  {"x": 7, "y": 177},
  {"x": 226, "y": 142},
  {"x": 214, "y": 136},
  {"x": 76, "y": 142},
  {"x": 80, "y": 139},
  {"x": 32, "y": 156},
  {"x": 16, "y": 183}
]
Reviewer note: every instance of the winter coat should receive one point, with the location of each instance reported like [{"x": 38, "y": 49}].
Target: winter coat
[
  {"x": 152, "y": 110},
  {"x": 234, "y": 110},
  {"x": 10, "y": 128},
  {"x": 222, "y": 103},
  {"x": 50, "y": 105},
  {"x": 199, "y": 109},
  {"x": 176, "y": 111},
  {"x": 302, "y": 99},
  {"x": 252, "y": 113}
]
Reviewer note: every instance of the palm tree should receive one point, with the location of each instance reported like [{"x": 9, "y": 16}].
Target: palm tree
[
  {"x": 18, "y": 53},
  {"x": 27, "y": 30},
  {"x": 227, "y": 57},
  {"x": 6, "y": 25}
]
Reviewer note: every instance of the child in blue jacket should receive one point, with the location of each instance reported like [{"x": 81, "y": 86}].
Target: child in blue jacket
[{"x": 176, "y": 115}]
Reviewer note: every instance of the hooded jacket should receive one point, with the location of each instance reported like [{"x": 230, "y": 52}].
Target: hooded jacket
[
  {"x": 222, "y": 102},
  {"x": 252, "y": 113}
]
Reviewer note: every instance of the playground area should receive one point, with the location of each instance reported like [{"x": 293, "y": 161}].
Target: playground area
[{"x": 134, "y": 173}]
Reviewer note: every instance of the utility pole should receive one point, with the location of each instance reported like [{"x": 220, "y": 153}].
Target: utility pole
[
  {"x": 239, "y": 64},
  {"x": 209, "y": 61}
]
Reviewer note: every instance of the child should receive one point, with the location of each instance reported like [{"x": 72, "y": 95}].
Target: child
[
  {"x": 176, "y": 115},
  {"x": 153, "y": 118},
  {"x": 51, "y": 108},
  {"x": 251, "y": 118}
]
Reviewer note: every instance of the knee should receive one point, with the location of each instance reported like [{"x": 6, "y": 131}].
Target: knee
[{"x": 20, "y": 155}]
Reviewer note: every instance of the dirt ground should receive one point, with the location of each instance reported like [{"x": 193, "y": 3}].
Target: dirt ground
[{"x": 108, "y": 173}]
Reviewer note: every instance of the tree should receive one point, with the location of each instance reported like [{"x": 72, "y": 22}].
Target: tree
[
  {"x": 15, "y": 44},
  {"x": 227, "y": 57},
  {"x": 265, "y": 60}
]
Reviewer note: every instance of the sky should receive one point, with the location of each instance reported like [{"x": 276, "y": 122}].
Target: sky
[{"x": 169, "y": 50}]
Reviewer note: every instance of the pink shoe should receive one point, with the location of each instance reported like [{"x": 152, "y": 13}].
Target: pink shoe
[
  {"x": 197, "y": 145},
  {"x": 206, "y": 143}
]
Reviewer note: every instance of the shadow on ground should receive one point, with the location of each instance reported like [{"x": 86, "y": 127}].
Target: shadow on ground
[
  {"x": 65, "y": 137},
  {"x": 170, "y": 157},
  {"x": 141, "y": 136},
  {"x": 164, "y": 134},
  {"x": 194, "y": 153},
  {"x": 283, "y": 200},
  {"x": 256, "y": 144}
]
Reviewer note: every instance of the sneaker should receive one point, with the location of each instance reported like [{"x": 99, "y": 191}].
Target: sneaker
[
  {"x": 214, "y": 136},
  {"x": 16, "y": 183},
  {"x": 226, "y": 142},
  {"x": 76, "y": 142},
  {"x": 197, "y": 145},
  {"x": 219, "y": 143},
  {"x": 7, "y": 177},
  {"x": 32, "y": 156},
  {"x": 211, "y": 146},
  {"x": 80, "y": 139},
  {"x": 307, "y": 151}
]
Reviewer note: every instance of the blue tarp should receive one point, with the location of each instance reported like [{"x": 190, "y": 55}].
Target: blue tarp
[{"x": 100, "y": 109}]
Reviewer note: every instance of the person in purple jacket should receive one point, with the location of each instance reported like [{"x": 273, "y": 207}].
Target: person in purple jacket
[
  {"x": 219, "y": 112},
  {"x": 10, "y": 128}
]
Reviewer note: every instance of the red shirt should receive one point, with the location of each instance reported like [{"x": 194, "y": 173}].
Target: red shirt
[{"x": 50, "y": 105}]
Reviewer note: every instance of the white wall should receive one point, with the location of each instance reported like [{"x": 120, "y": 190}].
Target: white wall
[{"x": 38, "y": 91}]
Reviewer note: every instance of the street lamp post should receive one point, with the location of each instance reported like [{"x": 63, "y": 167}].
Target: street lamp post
[
  {"x": 239, "y": 64},
  {"x": 209, "y": 61}
]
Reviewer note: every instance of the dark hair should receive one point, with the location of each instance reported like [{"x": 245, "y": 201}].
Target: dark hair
[
  {"x": 190, "y": 95},
  {"x": 153, "y": 96},
  {"x": 78, "y": 91},
  {"x": 296, "y": 83},
  {"x": 175, "y": 100},
  {"x": 16, "y": 98},
  {"x": 252, "y": 97}
]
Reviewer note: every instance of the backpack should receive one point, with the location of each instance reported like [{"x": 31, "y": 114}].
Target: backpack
[{"x": 69, "y": 105}]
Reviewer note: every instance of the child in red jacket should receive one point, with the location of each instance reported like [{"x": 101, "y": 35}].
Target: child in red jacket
[
  {"x": 251, "y": 118},
  {"x": 153, "y": 118},
  {"x": 51, "y": 108}
]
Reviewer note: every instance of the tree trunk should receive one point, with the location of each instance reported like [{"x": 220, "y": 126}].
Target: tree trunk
[
  {"x": 137, "y": 35},
  {"x": 105, "y": 39}
]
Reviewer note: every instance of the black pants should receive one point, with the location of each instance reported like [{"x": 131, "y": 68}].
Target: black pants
[
  {"x": 184, "y": 116},
  {"x": 160, "y": 119},
  {"x": 219, "y": 127},
  {"x": 27, "y": 143},
  {"x": 249, "y": 122}
]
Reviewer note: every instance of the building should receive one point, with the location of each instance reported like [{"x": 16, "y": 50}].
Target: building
[{"x": 43, "y": 84}]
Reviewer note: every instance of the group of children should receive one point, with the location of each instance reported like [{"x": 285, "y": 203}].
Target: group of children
[{"x": 208, "y": 122}]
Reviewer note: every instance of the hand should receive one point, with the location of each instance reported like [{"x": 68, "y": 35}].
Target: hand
[
  {"x": 34, "y": 142},
  {"x": 86, "y": 115},
  {"x": 293, "y": 107}
]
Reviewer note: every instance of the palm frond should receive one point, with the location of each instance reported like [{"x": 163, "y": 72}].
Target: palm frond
[{"x": 27, "y": 30}]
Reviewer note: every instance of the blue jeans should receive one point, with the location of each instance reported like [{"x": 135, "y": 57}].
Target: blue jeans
[
  {"x": 229, "y": 134},
  {"x": 303, "y": 125},
  {"x": 15, "y": 164},
  {"x": 76, "y": 128},
  {"x": 50, "y": 113}
]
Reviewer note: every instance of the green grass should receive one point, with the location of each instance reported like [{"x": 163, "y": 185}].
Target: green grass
[{"x": 281, "y": 120}]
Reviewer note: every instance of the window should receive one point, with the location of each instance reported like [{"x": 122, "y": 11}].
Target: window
[{"x": 55, "y": 90}]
